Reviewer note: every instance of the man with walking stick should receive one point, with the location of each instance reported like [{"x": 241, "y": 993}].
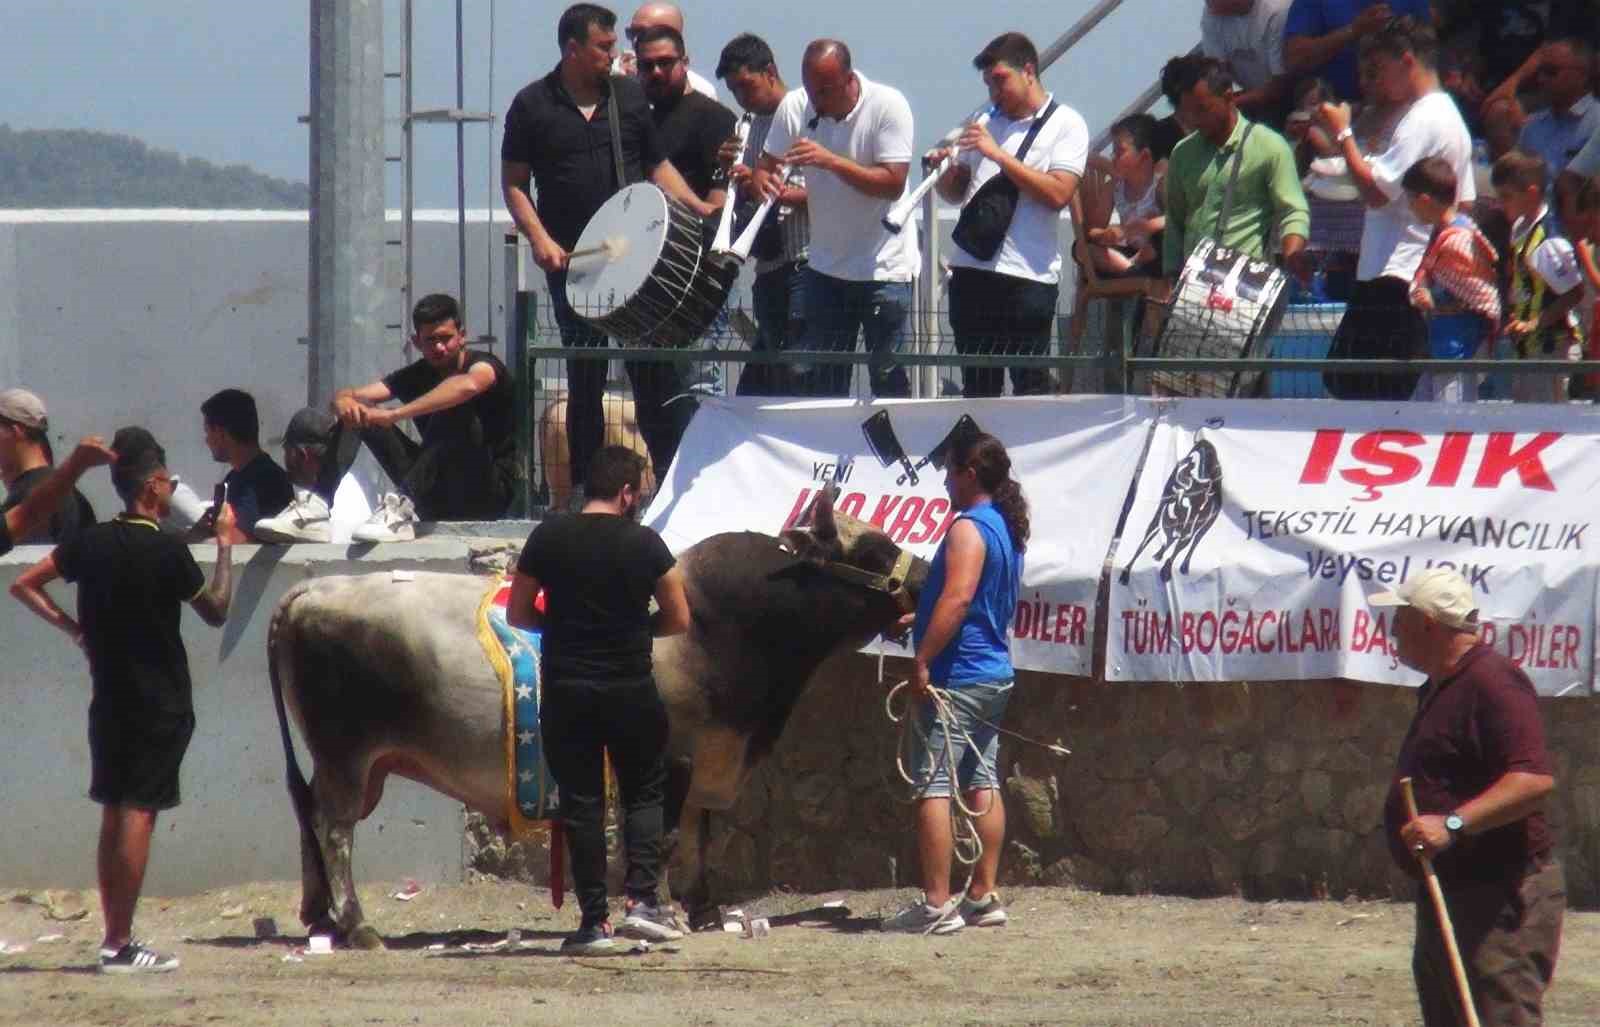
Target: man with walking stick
[{"x": 1476, "y": 756}]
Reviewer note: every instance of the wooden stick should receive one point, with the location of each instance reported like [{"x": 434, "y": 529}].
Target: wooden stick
[{"x": 1457, "y": 969}]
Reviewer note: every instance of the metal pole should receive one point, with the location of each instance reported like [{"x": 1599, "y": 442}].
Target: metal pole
[
  {"x": 408, "y": 174},
  {"x": 347, "y": 171},
  {"x": 927, "y": 379},
  {"x": 461, "y": 173},
  {"x": 1083, "y": 27}
]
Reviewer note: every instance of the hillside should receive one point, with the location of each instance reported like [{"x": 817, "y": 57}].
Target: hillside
[{"x": 75, "y": 168}]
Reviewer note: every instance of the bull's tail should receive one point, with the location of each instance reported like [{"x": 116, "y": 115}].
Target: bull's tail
[{"x": 299, "y": 791}]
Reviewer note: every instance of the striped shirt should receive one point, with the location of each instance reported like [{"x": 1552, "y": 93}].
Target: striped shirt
[
  {"x": 1460, "y": 261},
  {"x": 793, "y": 222}
]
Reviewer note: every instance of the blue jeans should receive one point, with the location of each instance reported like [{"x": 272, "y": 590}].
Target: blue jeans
[
  {"x": 975, "y": 765},
  {"x": 778, "y": 299},
  {"x": 835, "y": 311}
]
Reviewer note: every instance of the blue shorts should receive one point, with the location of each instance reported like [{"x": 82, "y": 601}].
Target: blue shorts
[{"x": 976, "y": 763}]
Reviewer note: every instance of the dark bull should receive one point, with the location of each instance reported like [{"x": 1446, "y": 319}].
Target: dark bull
[{"x": 1189, "y": 506}]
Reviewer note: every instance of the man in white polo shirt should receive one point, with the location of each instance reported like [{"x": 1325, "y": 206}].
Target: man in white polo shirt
[
  {"x": 1005, "y": 277},
  {"x": 853, "y": 139},
  {"x": 1401, "y": 60}
]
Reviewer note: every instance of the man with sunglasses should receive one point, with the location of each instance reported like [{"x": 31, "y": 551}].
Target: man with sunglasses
[
  {"x": 662, "y": 16},
  {"x": 133, "y": 580},
  {"x": 1572, "y": 116}
]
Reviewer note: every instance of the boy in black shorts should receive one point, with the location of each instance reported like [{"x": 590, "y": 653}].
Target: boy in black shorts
[{"x": 132, "y": 583}]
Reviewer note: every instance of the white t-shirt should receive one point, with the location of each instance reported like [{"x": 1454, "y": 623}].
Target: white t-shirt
[
  {"x": 698, "y": 83},
  {"x": 1136, "y": 208},
  {"x": 1252, "y": 44},
  {"x": 1392, "y": 239},
  {"x": 848, "y": 240},
  {"x": 1032, "y": 248}
]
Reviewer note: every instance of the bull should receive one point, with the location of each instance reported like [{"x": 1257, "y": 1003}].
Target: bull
[
  {"x": 1190, "y": 503},
  {"x": 387, "y": 677}
]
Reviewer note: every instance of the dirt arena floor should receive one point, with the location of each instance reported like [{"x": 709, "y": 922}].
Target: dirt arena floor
[{"x": 1068, "y": 957}]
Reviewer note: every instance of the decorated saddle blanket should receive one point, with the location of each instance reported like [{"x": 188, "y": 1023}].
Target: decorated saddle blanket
[{"x": 531, "y": 798}]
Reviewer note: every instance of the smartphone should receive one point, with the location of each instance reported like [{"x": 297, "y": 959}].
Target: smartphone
[{"x": 208, "y": 523}]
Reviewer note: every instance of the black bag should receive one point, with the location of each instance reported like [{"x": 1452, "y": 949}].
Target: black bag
[{"x": 987, "y": 216}]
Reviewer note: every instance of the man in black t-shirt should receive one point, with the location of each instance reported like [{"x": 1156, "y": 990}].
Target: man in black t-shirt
[
  {"x": 599, "y": 570},
  {"x": 18, "y": 521},
  {"x": 691, "y": 127},
  {"x": 26, "y": 462},
  {"x": 462, "y": 403},
  {"x": 257, "y": 486},
  {"x": 558, "y": 142},
  {"x": 132, "y": 583}
]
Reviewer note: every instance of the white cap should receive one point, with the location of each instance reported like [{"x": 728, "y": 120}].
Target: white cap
[{"x": 1440, "y": 594}]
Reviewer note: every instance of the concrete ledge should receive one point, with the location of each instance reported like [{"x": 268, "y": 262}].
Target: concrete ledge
[{"x": 236, "y": 823}]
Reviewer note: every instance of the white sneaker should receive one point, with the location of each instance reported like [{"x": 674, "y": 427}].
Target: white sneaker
[
  {"x": 393, "y": 521},
  {"x": 306, "y": 519}
]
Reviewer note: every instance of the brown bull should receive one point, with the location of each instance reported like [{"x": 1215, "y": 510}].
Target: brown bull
[{"x": 387, "y": 677}]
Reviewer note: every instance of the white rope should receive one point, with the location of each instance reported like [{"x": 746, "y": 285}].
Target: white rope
[{"x": 968, "y": 846}]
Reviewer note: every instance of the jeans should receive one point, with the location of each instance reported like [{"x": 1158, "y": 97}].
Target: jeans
[
  {"x": 454, "y": 480},
  {"x": 975, "y": 765},
  {"x": 661, "y": 401},
  {"x": 581, "y": 722},
  {"x": 835, "y": 311},
  {"x": 998, "y": 314},
  {"x": 778, "y": 299}
]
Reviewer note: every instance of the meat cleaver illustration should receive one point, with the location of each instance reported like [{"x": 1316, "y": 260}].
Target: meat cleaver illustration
[
  {"x": 885, "y": 444},
  {"x": 964, "y": 428}
]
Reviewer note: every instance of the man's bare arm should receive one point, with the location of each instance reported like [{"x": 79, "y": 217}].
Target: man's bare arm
[
  {"x": 28, "y": 589},
  {"x": 46, "y": 497},
  {"x": 213, "y": 601}
]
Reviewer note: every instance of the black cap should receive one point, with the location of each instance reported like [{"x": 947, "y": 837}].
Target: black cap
[{"x": 310, "y": 426}]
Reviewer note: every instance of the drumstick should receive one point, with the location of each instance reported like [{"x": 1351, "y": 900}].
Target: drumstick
[
  {"x": 1457, "y": 970},
  {"x": 725, "y": 226},
  {"x": 614, "y": 247}
]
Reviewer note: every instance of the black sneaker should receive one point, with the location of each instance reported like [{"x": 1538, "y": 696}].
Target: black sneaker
[
  {"x": 134, "y": 958},
  {"x": 649, "y": 922},
  {"x": 591, "y": 940}
]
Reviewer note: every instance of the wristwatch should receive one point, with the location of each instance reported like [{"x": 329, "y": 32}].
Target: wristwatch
[
  {"x": 1344, "y": 133},
  {"x": 1455, "y": 825}
]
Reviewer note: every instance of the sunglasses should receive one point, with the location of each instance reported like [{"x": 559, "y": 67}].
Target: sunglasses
[{"x": 659, "y": 64}]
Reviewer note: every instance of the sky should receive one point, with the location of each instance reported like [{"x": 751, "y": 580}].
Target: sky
[{"x": 225, "y": 80}]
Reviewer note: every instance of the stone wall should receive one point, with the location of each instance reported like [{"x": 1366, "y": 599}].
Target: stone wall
[{"x": 1267, "y": 790}]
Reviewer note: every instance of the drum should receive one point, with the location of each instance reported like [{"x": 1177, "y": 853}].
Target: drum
[
  {"x": 1226, "y": 305},
  {"x": 663, "y": 288}
]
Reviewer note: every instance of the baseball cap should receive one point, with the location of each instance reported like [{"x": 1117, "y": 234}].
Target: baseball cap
[
  {"x": 1440, "y": 594},
  {"x": 20, "y": 406},
  {"x": 309, "y": 426}
]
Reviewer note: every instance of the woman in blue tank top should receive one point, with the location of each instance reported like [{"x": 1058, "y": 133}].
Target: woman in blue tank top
[{"x": 962, "y": 617}]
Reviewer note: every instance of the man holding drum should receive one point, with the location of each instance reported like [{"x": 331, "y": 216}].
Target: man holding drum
[
  {"x": 1005, "y": 272},
  {"x": 852, "y": 138},
  {"x": 558, "y": 137}
]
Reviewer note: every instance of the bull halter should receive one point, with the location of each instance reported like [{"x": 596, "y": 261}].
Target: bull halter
[{"x": 892, "y": 584}]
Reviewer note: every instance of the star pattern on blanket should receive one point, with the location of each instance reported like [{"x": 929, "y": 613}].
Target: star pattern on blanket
[
  {"x": 525, "y": 737},
  {"x": 524, "y": 693}
]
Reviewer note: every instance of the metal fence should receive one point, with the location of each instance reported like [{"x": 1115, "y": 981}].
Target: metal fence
[{"x": 1126, "y": 346}]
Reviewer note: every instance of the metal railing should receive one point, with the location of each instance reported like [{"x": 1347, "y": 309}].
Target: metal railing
[{"x": 1114, "y": 351}]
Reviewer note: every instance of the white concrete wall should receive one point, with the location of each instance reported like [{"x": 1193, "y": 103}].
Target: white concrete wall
[
  {"x": 135, "y": 317},
  {"x": 236, "y": 823}
]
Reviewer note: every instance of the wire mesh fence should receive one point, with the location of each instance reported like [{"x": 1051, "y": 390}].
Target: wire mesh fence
[{"x": 584, "y": 391}]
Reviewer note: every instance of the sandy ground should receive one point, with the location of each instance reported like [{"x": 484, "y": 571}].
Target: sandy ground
[{"x": 1068, "y": 957}]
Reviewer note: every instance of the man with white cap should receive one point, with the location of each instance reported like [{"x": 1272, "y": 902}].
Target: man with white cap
[
  {"x": 1476, "y": 755},
  {"x": 26, "y": 461}
]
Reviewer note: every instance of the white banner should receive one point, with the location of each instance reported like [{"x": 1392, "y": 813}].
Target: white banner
[
  {"x": 748, "y": 466},
  {"x": 1259, "y": 529}
]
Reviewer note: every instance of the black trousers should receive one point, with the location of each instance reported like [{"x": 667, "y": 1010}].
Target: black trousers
[
  {"x": 1001, "y": 315},
  {"x": 447, "y": 481},
  {"x": 661, "y": 400},
  {"x": 582, "y": 721},
  {"x": 1379, "y": 322}
]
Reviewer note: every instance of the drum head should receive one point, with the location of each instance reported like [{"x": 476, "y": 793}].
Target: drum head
[{"x": 637, "y": 216}]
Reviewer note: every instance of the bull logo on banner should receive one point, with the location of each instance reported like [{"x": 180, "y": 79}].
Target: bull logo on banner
[{"x": 1190, "y": 503}]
